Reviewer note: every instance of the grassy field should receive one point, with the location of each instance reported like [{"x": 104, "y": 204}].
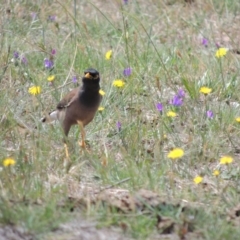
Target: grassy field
[{"x": 164, "y": 149}]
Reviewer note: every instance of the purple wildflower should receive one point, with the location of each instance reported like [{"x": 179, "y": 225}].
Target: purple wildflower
[
  {"x": 48, "y": 63},
  {"x": 53, "y": 52},
  {"x": 24, "y": 60},
  {"x": 16, "y": 54},
  {"x": 176, "y": 101},
  {"x": 159, "y": 107},
  {"x": 119, "y": 125},
  {"x": 209, "y": 114},
  {"x": 125, "y": 1},
  {"x": 218, "y": 45},
  {"x": 181, "y": 93},
  {"x": 127, "y": 72},
  {"x": 74, "y": 79},
  {"x": 52, "y": 18},
  {"x": 204, "y": 42},
  {"x": 34, "y": 16}
]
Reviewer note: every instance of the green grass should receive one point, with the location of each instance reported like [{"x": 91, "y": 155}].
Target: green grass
[{"x": 161, "y": 42}]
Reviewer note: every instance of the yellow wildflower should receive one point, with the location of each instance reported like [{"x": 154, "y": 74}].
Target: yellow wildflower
[
  {"x": 108, "y": 55},
  {"x": 101, "y": 92},
  {"x": 34, "y": 90},
  {"x": 175, "y": 153},
  {"x": 205, "y": 90},
  {"x": 237, "y": 119},
  {"x": 171, "y": 114},
  {"x": 216, "y": 173},
  {"x": 198, "y": 179},
  {"x": 100, "y": 109},
  {"x": 118, "y": 83},
  {"x": 226, "y": 160},
  {"x": 221, "y": 52},
  {"x": 8, "y": 162},
  {"x": 51, "y": 78}
]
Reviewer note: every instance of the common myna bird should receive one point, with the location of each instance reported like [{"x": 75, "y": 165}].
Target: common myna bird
[{"x": 79, "y": 105}]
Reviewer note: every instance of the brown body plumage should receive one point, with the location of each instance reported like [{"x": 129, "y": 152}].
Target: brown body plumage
[{"x": 80, "y": 105}]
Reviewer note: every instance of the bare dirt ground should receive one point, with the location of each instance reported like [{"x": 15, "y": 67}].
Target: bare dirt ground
[
  {"x": 76, "y": 229},
  {"x": 14, "y": 233},
  {"x": 80, "y": 228}
]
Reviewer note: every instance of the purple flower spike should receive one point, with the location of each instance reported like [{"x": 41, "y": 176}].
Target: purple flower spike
[
  {"x": 24, "y": 60},
  {"x": 74, "y": 79},
  {"x": 181, "y": 93},
  {"x": 48, "y": 63},
  {"x": 204, "y": 42},
  {"x": 16, "y": 54},
  {"x": 210, "y": 114},
  {"x": 125, "y": 1},
  {"x": 176, "y": 101},
  {"x": 159, "y": 107},
  {"x": 119, "y": 125},
  {"x": 127, "y": 72}
]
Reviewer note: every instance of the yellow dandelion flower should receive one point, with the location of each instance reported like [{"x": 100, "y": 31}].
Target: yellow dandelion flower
[
  {"x": 216, "y": 173},
  {"x": 205, "y": 90},
  {"x": 118, "y": 83},
  {"x": 51, "y": 78},
  {"x": 237, "y": 119},
  {"x": 198, "y": 179},
  {"x": 100, "y": 109},
  {"x": 221, "y": 52},
  {"x": 226, "y": 160},
  {"x": 175, "y": 153},
  {"x": 108, "y": 55},
  {"x": 171, "y": 114},
  {"x": 101, "y": 92},
  {"x": 34, "y": 90},
  {"x": 8, "y": 162}
]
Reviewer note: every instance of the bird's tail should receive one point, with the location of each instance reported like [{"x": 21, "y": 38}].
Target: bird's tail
[{"x": 51, "y": 117}]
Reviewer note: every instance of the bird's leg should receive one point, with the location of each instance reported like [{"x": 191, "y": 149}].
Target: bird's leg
[
  {"x": 66, "y": 150},
  {"x": 66, "y": 128},
  {"x": 65, "y": 141},
  {"x": 83, "y": 134},
  {"x": 67, "y": 160}
]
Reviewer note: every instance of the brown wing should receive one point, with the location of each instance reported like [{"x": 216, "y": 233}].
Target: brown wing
[{"x": 66, "y": 101}]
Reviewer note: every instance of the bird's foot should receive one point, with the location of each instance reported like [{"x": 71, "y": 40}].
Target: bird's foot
[{"x": 84, "y": 146}]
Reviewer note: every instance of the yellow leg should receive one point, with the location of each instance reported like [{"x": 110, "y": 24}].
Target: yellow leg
[
  {"x": 66, "y": 150},
  {"x": 83, "y": 134}
]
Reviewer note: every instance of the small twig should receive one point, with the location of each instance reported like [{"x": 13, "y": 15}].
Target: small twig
[
  {"x": 65, "y": 84},
  {"x": 70, "y": 70},
  {"x": 6, "y": 65},
  {"x": 115, "y": 184}
]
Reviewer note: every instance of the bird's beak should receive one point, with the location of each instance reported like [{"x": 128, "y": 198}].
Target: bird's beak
[{"x": 87, "y": 75}]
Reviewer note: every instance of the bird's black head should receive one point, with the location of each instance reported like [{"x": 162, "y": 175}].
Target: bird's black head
[
  {"x": 91, "y": 75},
  {"x": 89, "y": 95}
]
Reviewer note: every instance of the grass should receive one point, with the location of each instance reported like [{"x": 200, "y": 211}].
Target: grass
[{"x": 161, "y": 42}]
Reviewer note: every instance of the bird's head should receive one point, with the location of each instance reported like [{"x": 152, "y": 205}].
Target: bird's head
[{"x": 91, "y": 75}]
